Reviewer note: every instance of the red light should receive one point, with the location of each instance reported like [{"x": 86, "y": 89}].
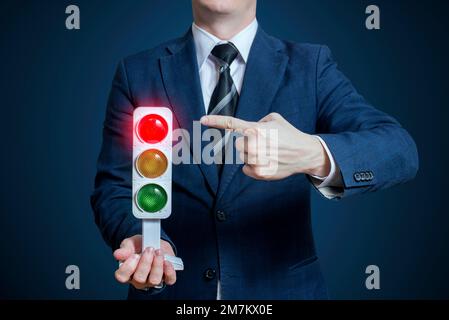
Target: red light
[{"x": 152, "y": 128}]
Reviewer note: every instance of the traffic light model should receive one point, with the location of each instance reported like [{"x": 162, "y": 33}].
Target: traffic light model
[{"x": 152, "y": 173}]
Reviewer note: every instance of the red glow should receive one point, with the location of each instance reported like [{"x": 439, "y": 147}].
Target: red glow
[{"x": 152, "y": 128}]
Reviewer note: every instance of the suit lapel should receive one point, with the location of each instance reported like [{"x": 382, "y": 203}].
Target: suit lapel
[
  {"x": 181, "y": 81},
  {"x": 264, "y": 72}
]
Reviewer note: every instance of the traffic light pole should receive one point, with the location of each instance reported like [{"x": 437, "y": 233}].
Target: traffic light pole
[
  {"x": 151, "y": 237},
  {"x": 151, "y": 234}
]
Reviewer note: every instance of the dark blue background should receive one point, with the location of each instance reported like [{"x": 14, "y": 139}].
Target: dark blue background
[{"x": 54, "y": 86}]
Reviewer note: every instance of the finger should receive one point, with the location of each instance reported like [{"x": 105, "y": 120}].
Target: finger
[
  {"x": 267, "y": 172},
  {"x": 128, "y": 247},
  {"x": 249, "y": 170},
  {"x": 252, "y": 148},
  {"x": 137, "y": 285},
  {"x": 125, "y": 271},
  {"x": 257, "y": 172},
  {"x": 226, "y": 122},
  {"x": 249, "y": 142},
  {"x": 243, "y": 157},
  {"x": 166, "y": 248},
  {"x": 169, "y": 273},
  {"x": 240, "y": 144},
  {"x": 251, "y": 159},
  {"x": 157, "y": 270},
  {"x": 143, "y": 268}
]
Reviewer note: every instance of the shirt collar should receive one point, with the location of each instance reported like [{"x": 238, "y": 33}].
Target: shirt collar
[{"x": 205, "y": 41}]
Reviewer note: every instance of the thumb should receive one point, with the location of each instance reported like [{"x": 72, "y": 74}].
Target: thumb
[
  {"x": 271, "y": 117},
  {"x": 128, "y": 247},
  {"x": 167, "y": 248}
]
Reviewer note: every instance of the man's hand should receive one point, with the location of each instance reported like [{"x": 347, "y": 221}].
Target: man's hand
[
  {"x": 144, "y": 269},
  {"x": 296, "y": 152}
]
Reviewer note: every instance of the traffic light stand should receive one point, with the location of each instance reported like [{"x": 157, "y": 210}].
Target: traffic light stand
[{"x": 151, "y": 237}]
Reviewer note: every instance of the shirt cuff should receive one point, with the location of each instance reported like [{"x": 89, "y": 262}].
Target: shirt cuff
[{"x": 331, "y": 186}]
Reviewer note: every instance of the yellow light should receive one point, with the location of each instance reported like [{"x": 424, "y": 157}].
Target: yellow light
[{"x": 152, "y": 163}]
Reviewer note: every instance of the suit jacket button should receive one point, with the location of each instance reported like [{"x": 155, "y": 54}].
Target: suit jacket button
[
  {"x": 221, "y": 216},
  {"x": 363, "y": 176},
  {"x": 210, "y": 274},
  {"x": 357, "y": 177}
]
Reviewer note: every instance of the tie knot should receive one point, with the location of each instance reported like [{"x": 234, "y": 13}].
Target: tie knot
[{"x": 226, "y": 52}]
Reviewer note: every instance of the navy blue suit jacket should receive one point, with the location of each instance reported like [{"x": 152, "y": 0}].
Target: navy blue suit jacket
[{"x": 262, "y": 245}]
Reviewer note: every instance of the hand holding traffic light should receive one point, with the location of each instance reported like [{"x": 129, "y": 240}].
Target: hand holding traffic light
[
  {"x": 147, "y": 269},
  {"x": 296, "y": 152}
]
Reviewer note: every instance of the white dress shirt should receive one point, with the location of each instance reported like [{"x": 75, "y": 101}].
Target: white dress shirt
[
  {"x": 207, "y": 63},
  {"x": 209, "y": 75}
]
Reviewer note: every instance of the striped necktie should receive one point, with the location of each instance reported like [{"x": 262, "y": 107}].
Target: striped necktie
[{"x": 225, "y": 96}]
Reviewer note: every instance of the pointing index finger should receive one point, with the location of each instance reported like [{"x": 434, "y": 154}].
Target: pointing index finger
[{"x": 226, "y": 122}]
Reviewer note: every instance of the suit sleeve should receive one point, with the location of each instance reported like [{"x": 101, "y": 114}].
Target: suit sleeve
[
  {"x": 371, "y": 149},
  {"x": 111, "y": 199}
]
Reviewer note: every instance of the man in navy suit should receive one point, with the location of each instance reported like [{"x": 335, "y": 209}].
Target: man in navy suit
[{"x": 243, "y": 232}]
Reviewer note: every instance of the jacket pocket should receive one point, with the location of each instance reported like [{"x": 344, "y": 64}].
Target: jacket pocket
[{"x": 305, "y": 281}]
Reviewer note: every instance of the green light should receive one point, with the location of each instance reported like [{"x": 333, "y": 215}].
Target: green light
[{"x": 151, "y": 198}]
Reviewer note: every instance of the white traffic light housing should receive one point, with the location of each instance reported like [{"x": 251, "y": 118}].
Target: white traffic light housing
[
  {"x": 152, "y": 173},
  {"x": 152, "y": 159}
]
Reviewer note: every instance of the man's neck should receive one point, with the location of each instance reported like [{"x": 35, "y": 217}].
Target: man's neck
[{"x": 225, "y": 28}]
